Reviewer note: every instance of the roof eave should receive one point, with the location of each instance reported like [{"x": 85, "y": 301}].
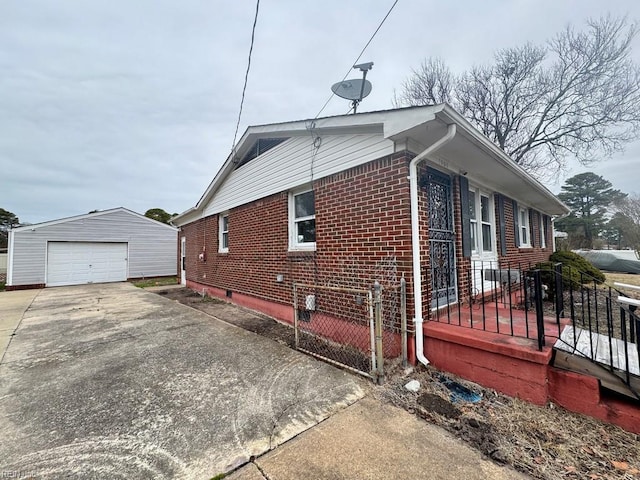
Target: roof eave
[{"x": 448, "y": 114}]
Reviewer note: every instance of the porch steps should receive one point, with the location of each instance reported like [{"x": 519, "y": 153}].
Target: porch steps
[{"x": 591, "y": 353}]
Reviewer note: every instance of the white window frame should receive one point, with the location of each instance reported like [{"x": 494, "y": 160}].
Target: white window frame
[
  {"x": 523, "y": 226},
  {"x": 477, "y": 250},
  {"x": 222, "y": 248},
  {"x": 543, "y": 231},
  {"x": 294, "y": 244}
]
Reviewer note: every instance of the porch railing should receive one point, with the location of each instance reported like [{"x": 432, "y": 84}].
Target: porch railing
[
  {"x": 508, "y": 300},
  {"x": 552, "y": 305}
]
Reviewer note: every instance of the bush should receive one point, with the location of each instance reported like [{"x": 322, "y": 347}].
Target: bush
[
  {"x": 576, "y": 262},
  {"x": 576, "y": 271}
]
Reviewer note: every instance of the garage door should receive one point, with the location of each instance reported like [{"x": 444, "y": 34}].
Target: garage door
[{"x": 76, "y": 263}]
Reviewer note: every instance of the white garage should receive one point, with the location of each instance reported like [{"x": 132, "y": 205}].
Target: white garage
[{"x": 108, "y": 246}]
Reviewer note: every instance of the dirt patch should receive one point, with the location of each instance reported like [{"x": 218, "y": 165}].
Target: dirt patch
[
  {"x": 437, "y": 404},
  {"x": 544, "y": 442},
  {"x": 251, "y": 321}
]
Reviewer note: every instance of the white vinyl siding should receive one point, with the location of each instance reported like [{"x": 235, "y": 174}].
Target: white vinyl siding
[
  {"x": 151, "y": 245},
  {"x": 288, "y": 166}
]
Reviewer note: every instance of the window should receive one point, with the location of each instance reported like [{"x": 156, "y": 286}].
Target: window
[
  {"x": 302, "y": 221},
  {"x": 223, "y": 233},
  {"x": 543, "y": 231},
  {"x": 487, "y": 227},
  {"x": 482, "y": 226},
  {"x": 474, "y": 221},
  {"x": 523, "y": 227}
]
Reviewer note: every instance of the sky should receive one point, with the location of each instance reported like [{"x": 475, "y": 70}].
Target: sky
[{"x": 109, "y": 103}]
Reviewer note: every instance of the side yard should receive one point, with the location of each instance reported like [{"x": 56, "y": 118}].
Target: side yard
[{"x": 544, "y": 442}]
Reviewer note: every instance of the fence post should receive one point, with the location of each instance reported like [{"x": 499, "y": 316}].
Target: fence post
[
  {"x": 403, "y": 320},
  {"x": 377, "y": 302},
  {"x": 559, "y": 293},
  {"x": 537, "y": 284}
]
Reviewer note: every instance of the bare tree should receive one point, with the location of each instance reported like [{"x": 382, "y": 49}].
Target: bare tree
[
  {"x": 431, "y": 84},
  {"x": 578, "y": 96}
]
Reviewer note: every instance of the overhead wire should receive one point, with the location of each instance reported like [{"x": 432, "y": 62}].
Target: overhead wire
[
  {"x": 359, "y": 55},
  {"x": 246, "y": 75}
]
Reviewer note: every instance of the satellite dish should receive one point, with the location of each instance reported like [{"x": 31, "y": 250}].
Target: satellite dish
[{"x": 355, "y": 89}]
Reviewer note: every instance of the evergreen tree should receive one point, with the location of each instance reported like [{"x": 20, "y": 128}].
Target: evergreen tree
[{"x": 588, "y": 196}]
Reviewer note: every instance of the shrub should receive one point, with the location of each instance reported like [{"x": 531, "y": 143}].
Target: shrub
[
  {"x": 576, "y": 262},
  {"x": 576, "y": 271}
]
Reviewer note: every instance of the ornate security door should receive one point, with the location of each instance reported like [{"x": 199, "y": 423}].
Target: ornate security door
[{"x": 442, "y": 252}]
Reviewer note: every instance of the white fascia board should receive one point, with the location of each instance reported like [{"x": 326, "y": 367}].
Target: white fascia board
[
  {"x": 449, "y": 114},
  {"x": 89, "y": 215},
  {"x": 68, "y": 219}
]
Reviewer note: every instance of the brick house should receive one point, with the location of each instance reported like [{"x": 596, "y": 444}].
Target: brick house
[{"x": 331, "y": 199}]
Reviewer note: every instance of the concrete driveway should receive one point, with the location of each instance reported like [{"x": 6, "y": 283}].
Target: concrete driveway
[{"x": 111, "y": 381}]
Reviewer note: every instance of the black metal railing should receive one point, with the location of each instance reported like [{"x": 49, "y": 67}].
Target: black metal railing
[
  {"x": 507, "y": 299},
  {"x": 540, "y": 302}
]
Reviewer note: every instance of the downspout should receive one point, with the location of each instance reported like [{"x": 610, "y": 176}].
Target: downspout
[{"x": 415, "y": 238}]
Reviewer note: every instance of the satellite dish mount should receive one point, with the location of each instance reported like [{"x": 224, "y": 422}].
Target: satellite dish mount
[{"x": 355, "y": 89}]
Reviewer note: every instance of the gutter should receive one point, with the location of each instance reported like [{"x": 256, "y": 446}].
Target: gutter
[{"x": 415, "y": 238}]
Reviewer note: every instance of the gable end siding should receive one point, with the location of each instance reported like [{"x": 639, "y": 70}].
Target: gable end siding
[{"x": 289, "y": 165}]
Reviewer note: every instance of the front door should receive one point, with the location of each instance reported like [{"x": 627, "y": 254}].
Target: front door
[
  {"x": 183, "y": 261},
  {"x": 442, "y": 252}
]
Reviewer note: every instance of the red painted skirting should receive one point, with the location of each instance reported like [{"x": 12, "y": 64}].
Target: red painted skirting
[
  {"x": 516, "y": 368},
  {"x": 511, "y": 365}
]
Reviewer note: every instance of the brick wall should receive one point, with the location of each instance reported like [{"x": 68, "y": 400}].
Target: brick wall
[
  {"x": 362, "y": 218},
  {"x": 527, "y": 255}
]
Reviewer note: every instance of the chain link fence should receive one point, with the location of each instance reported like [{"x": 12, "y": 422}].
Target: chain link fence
[
  {"x": 336, "y": 324},
  {"x": 336, "y": 317}
]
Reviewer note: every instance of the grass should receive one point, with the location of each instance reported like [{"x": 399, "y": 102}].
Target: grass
[
  {"x": 155, "y": 282},
  {"x": 628, "y": 278}
]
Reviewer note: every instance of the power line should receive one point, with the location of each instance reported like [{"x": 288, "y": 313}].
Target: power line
[
  {"x": 246, "y": 75},
  {"x": 358, "y": 58}
]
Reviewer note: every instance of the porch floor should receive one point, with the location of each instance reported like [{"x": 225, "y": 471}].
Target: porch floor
[{"x": 500, "y": 318}]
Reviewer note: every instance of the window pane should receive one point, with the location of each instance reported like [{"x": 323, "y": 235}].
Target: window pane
[
  {"x": 524, "y": 218},
  {"x": 225, "y": 223},
  {"x": 487, "y": 244},
  {"x": 305, "y": 204},
  {"x": 484, "y": 208},
  {"x": 225, "y": 240},
  {"x": 306, "y": 231},
  {"x": 474, "y": 236},
  {"x": 523, "y": 235},
  {"x": 472, "y": 205}
]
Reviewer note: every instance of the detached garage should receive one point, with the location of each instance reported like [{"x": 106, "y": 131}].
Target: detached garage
[{"x": 108, "y": 246}]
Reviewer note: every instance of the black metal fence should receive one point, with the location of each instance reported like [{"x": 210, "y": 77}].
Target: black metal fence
[
  {"x": 555, "y": 305},
  {"x": 508, "y": 300}
]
